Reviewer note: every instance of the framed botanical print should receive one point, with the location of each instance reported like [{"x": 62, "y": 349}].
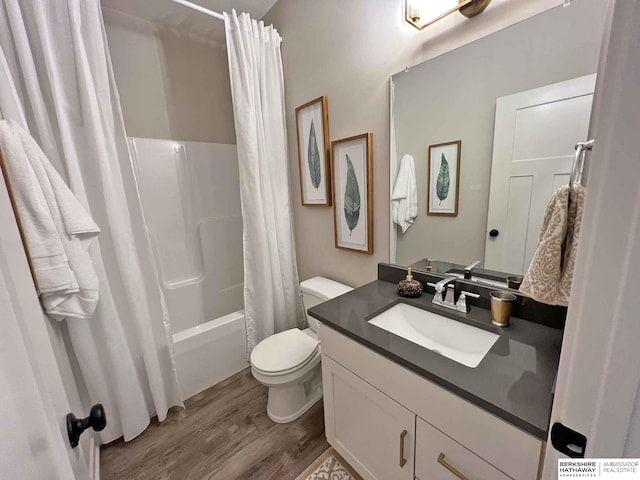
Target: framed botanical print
[
  {"x": 312, "y": 128},
  {"x": 352, "y": 161},
  {"x": 444, "y": 179}
]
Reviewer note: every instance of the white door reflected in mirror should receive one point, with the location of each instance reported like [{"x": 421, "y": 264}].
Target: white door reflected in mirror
[{"x": 535, "y": 132}]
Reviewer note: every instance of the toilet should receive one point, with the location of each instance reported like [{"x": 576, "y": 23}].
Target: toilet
[{"x": 288, "y": 363}]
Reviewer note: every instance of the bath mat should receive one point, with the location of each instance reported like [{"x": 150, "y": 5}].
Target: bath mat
[{"x": 329, "y": 466}]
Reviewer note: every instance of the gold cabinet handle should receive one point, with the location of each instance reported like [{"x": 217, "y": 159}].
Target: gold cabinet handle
[
  {"x": 402, "y": 459},
  {"x": 452, "y": 469}
]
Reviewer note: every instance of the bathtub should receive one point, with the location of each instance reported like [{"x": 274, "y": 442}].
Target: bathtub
[{"x": 210, "y": 352}]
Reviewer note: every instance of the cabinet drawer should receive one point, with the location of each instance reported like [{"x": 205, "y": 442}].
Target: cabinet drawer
[{"x": 435, "y": 451}]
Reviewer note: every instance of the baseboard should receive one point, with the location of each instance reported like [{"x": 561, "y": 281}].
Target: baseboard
[{"x": 94, "y": 459}]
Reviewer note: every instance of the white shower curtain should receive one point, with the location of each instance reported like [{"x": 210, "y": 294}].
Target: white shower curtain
[
  {"x": 271, "y": 291},
  {"x": 56, "y": 80}
]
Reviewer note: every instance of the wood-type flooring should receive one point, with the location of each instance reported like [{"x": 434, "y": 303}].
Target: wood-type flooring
[{"x": 223, "y": 434}]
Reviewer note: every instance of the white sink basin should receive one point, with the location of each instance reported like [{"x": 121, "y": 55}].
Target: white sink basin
[{"x": 455, "y": 340}]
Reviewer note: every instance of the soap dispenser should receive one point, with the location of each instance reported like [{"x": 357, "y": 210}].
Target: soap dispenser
[{"x": 409, "y": 287}]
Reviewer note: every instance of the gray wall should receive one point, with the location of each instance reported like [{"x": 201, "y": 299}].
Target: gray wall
[
  {"x": 347, "y": 51},
  {"x": 171, "y": 86},
  {"x": 452, "y": 97}
]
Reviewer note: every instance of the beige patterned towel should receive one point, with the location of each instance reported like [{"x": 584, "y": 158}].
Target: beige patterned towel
[{"x": 549, "y": 277}]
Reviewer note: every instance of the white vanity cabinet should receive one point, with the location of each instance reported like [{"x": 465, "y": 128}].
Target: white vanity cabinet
[
  {"x": 370, "y": 401},
  {"x": 372, "y": 432}
]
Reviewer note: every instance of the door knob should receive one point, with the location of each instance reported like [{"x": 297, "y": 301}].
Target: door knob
[
  {"x": 75, "y": 426},
  {"x": 494, "y": 233}
]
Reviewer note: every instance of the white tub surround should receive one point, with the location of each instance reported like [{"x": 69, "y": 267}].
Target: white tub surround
[{"x": 191, "y": 197}]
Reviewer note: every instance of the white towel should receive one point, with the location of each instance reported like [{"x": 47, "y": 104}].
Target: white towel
[
  {"x": 404, "y": 198},
  {"x": 57, "y": 228}
]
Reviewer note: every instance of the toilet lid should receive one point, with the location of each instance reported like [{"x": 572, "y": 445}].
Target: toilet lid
[{"x": 284, "y": 351}]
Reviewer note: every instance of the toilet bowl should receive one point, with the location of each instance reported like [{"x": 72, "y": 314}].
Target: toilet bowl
[{"x": 288, "y": 363}]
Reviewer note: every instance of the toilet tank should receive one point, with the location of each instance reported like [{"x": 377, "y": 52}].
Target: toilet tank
[{"x": 317, "y": 290}]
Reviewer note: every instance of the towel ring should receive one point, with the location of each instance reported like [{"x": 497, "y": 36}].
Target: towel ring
[{"x": 578, "y": 161}]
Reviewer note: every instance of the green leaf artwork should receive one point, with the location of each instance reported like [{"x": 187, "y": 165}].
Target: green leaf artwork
[
  {"x": 313, "y": 157},
  {"x": 442, "y": 184},
  {"x": 351, "y": 198}
]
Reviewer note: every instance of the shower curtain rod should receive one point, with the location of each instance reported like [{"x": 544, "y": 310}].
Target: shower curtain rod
[{"x": 199, "y": 8}]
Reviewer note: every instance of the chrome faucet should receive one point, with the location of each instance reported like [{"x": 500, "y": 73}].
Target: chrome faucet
[
  {"x": 468, "y": 268},
  {"x": 445, "y": 295},
  {"x": 445, "y": 292}
]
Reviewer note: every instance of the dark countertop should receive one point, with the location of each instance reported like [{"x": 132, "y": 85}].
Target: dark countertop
[{"x": 514, "y": 380}]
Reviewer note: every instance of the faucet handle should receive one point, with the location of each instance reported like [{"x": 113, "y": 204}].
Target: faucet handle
[
  {"x": 461, "y": 304},
  {"x": 440, "y": 286},
  {"x": 469, "y": 294}
]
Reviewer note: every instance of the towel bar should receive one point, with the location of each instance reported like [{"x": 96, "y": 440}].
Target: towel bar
[{"x": 578, "y": 161}]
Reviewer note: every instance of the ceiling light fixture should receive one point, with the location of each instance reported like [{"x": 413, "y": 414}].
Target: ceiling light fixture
[{"x": 422, "y": 13}]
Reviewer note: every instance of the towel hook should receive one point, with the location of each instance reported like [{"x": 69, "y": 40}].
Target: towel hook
[{"x": 578, "y": 161}]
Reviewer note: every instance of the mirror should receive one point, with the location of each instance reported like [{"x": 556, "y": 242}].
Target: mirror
[{"x": 517, "y": 101}]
